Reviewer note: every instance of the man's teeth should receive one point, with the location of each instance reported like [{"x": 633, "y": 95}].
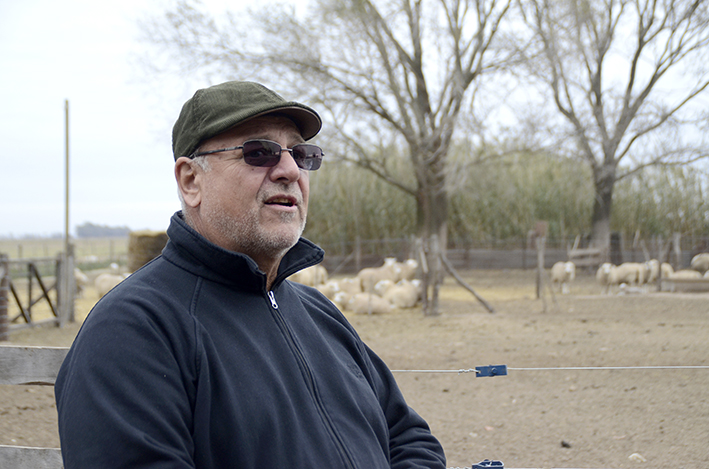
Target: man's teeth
[{"x": 281, "y": 202}]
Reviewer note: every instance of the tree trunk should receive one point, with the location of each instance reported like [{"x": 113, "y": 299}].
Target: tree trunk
[
  {"x": 604, "y": 181},
  {"x": 432, "y": 224}
]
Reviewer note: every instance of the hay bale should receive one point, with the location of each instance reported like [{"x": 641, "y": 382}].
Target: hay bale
[{"x": 144, "y": 246}]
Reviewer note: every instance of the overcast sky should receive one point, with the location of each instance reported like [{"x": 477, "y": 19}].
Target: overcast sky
[{"x": 120, "y": 144}]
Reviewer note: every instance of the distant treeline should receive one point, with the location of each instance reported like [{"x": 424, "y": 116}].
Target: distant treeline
[{"x": 89, "y": 230}]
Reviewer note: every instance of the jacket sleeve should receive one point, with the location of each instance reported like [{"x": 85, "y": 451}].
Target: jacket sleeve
[
  {"x": 123, "y": 395},
  {"x": 411, "y": 444}
]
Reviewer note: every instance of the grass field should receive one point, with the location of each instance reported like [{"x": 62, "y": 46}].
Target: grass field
[{"x": 84, "y": 248}]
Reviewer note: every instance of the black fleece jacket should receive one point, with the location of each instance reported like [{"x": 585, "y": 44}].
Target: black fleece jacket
[{"x": 192, "y": 363}]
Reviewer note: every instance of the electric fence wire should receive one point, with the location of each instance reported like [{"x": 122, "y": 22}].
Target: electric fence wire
[{"x": 572, "y": 368}]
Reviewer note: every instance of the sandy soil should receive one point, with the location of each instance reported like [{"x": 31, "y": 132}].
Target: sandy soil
[{"x": 558, "y": 417}]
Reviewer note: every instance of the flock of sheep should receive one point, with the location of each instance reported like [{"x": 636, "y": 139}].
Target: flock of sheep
[
  {"x": 392, "y": 285},
  {"x": 630, "y": 274},
  {"x": 374, "y": 290},
  {"x": 103, "y": 282}
]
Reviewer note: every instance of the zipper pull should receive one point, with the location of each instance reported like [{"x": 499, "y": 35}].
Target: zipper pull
[{"x": 272, "y": 297}]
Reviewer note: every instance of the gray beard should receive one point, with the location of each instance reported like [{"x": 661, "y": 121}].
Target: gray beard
[{"x": 252, "y": 239}]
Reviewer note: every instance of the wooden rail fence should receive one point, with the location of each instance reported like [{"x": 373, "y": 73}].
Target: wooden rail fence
[{"x": 26, "y": 365}]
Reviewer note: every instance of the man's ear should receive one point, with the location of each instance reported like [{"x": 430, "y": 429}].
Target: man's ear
[{"x": 188, "y": 177}]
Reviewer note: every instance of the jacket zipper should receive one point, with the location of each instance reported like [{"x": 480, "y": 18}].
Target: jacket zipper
[
  {"x": 272, "y": 297},
  {"x": 309, "y": 379}
]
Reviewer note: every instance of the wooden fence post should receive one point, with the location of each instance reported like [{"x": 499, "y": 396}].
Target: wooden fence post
[
  {"x": 677, "y": 245},
  {"x": 4, "y": 298},
  {"x": 541, "y": 244},
  {"x": 358, "y": 253},
  {"x": 66, "y": 287}
]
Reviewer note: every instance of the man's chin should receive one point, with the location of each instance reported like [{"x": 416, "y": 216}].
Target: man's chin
[{"x": 284, "y": 237}]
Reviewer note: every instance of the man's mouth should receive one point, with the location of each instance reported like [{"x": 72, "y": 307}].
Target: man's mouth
[{"x": 283, "y": 201}]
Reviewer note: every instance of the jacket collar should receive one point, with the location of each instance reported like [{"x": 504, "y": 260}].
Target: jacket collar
[{"x": 191, "y": 251}]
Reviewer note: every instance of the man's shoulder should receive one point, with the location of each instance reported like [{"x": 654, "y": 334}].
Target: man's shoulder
[{"x": 156, "y": 292}]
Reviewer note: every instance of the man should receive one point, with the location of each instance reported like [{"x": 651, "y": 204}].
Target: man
[{"x": 208, "y": 357}]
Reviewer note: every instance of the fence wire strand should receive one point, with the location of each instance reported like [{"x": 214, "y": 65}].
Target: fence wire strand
[{"x": 569, "y": 368}]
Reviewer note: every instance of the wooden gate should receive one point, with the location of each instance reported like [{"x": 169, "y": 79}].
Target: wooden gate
[{"x": 29, "y": 282}]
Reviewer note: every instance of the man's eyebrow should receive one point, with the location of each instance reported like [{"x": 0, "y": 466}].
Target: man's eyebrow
[{"x": 297, "y": 138}]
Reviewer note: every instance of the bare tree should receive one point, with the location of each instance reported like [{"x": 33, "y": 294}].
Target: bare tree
[
  {"x": 396, "y": 73},
  {"x": 629, "y": 78}
]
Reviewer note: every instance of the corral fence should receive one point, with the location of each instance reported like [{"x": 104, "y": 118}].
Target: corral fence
[
  {"x": 44, "y": 282},
  {"x": 38, "y": 366},
  {"x": 514, "y": 253}
]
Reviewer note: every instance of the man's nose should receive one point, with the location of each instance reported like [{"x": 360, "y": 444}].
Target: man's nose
[{"x": 286, "y": 168}]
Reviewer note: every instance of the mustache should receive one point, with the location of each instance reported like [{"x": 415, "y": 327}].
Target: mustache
[{"x": 293, "y": 193}]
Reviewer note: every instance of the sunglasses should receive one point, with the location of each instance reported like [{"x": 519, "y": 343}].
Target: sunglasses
[{"x": 267, "y": 154}]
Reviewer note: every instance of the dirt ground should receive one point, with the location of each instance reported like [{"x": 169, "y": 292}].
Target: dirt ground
[{"x": 555, "y": 417}]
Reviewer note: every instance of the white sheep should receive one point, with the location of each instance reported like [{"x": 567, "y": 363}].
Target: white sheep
[
  {"x": 656, "y": 269},
  {"x": 606, "y": 277},
  {"x": 563, "y": 273},
  {"x": 382, "y": 286},
  {"x": 329, "y": 289},
  {"x": 368, "y": 303},
  {"x": 80, "y": 280},
  {"x": 369, "y": 276},
  {"x": 630, "y": 273},
  {"x": 652, "y": 271},
  {"x": 350, "y": 285},
  {"x": 685, "y": 274},
  {"x": 347, "y": 288},
  {"x": 408, "y": 269},
  {"x": 700, "y": 263},
  {"x": 106, "y": 282},
  {"x": 666, "y": 270},
  {"x": 404, "y": 294},
  {"x": 310, "y": 276}
]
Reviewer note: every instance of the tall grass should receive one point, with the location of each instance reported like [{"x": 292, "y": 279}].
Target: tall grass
[
  {"x": 661, "y": 201},
  {"x": 503, "y": 198}
]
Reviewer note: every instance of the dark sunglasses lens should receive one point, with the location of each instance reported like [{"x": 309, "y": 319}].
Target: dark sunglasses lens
[
  {"x": 308, "y": 157},
  {"x": 261, "y": 153}
]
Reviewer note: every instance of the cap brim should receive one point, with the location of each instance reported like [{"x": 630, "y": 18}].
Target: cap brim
[{"x": 308, "y": 123}]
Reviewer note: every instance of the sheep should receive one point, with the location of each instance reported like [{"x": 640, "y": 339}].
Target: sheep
[
  {"x": 80, "y": 280},
  {"x": 350, "y": 285},
  {"x": 310, "y": 276},
  {"x": 606, "y": 277},
  {"x": 685, "y": 274},
  {"x": 663, "y": 270},
  {"x": 408, "y": 269},
  {"x": 329, "y": 289},
  {"x": 368, "y": 303},
  {"x": 369, "y": 276},
  {"x": 700, "y": 263},
  {"x": 630, "y": 273},
  {"x": 562, "y": 273},
  {"x": 106, "y": 282},
  {"x": 347, "y": 288},
  {"x": 383, "y": 286},
  {"x": 404, "y": 294},
  {"x": 666, "y": 270},
  {"x": 652, "y": 270}
]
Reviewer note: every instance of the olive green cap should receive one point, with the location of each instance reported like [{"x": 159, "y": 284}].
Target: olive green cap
[{"x": 213, "y": 110}]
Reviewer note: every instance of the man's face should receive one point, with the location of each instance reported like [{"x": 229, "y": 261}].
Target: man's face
[{"x": 257, "y": 211}]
